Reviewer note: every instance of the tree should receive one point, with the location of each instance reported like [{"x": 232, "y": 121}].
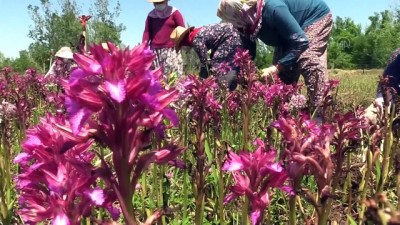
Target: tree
[
  {"x": 41, "y": 55},
  {"x": 55, "y": 27},
  {"x": 23, "y": 62},
  {"x": 5, "y": 61},
  {"x": 2, "y": 58},
  {"x": 379, "y": 41},
  {"x": 102, "y": 27},
  {"x": 341, "y": 43}
]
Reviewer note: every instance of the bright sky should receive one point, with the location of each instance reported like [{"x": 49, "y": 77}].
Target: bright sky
[{"x": 15, "y": 20}]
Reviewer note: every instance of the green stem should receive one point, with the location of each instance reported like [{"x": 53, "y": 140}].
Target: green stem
[
  {"x": 292, "y": 210},
  {"x": 161, "y": 192},
  {"x": 364, "y": 183},
  {"x": 143, "y": 195},
  {"x": 387, "y": 146},
  {"x": 220, "y": 186},
  {"x": 200, "y": 175},
  {"x": 350, "y": 198},
  {"x": 245, "y": 211},
  {"x": 186, "y": 175},
  {"x": 292, "y": 201}
]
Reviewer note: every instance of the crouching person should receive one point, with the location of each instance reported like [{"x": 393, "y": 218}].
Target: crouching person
[
  {"x": 222, "y": 40},
  {"x": 392, "y": 80},
  {"x": 63, "y": 63}
]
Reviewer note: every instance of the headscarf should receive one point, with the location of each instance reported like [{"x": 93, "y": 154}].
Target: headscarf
[
  {"x": 243, "y": 14},
  {"x": 167, "y": 12}
]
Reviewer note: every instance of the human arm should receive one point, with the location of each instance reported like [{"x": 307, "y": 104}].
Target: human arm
[
  {"x": 51, "y": 70},
  {"x": 293, "y": 36},
  {"x": 201, "y": 50}
]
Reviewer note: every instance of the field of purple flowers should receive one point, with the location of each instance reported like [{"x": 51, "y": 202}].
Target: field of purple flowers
[{"x": 111, "y": 143}]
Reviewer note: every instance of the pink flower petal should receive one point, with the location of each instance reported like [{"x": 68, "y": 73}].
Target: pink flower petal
[
  {"x": 22, "y": 158},
  {"x": 172, "y": 116},
  {"x": 88, "y": 64},
  {"x": 287, "y": 189},
  {"x": 230, "y": 197},
  {"x": 255, "y": 216},
  {"x": 32, "y": 141},
  {"x": 77, "y": 114},
  {"x": 96, "y": 195},
  {"x": 116, "y": 91},
  {"x": 61, "y": 219},
  {"x": 77, "y": 74},
  {"x": 233, "y": 163}
]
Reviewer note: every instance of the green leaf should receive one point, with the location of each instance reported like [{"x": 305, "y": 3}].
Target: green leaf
[
  {"x": 378, "y": 171},
  {"x": 208, "y": 150}
]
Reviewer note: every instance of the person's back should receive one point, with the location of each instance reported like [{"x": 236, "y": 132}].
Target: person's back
[
  {"x": 305, "y": 12},
  {"x": 216, "y": 46},
  {"x": 215, "y": 35}
]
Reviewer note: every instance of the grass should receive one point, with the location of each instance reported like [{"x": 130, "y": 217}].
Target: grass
[{"x": 357, "y": 87}]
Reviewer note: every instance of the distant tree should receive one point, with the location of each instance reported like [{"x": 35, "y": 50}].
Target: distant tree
[
  {"x": 350, "y": 47},
  {"x": 102, "y": 27},
  {"x": 41, "y": 55},
  {"x": 380, "y": 39},
  {"x": 2, "y": 58},
  {"x": 55, "y": 27},
  {"x": 5, "y": 61},
  {"x": 341, "y": 43},
  {"x": 23, "y": 62}
]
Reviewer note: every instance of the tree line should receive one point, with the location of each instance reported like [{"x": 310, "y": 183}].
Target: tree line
[{"x": 350, "y": 46}]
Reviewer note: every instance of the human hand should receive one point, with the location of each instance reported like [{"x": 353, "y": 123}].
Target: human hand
[
  {"x": 267, "y": 72},
  {"x": 371, "y": 113}
]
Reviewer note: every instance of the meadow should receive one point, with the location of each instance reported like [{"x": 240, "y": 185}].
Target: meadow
[
  {"x": 357, "y": 87},
  {"x": 113, "y": 143}
]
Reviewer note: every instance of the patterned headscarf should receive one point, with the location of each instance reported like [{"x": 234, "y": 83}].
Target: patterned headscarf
[
  {"x": 232, "y": 11},
  {"x": 243, "y": 14}
]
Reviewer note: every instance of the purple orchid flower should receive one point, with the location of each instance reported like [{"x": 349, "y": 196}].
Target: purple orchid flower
[
  {"x": 53, "y": 184},
  {"x": 256, "y": 174},
  {"x": 127, "y": 98}
]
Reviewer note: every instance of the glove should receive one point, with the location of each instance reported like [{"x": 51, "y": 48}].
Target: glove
[{"x": 267, "y": 72}]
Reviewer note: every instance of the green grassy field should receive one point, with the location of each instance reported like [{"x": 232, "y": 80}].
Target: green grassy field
[{"x": 357, "y": 87}]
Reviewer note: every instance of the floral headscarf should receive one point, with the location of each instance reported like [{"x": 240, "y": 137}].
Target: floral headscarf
[{"x": 243, "y": 14}]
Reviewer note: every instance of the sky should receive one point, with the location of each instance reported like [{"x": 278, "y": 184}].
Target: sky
[{"x": 16, "y": 22}]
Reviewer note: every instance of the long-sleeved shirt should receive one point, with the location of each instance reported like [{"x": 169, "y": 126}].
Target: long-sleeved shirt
[
  {"x": 158, "y": 30},
  {"x": 283, "y": 24}
]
